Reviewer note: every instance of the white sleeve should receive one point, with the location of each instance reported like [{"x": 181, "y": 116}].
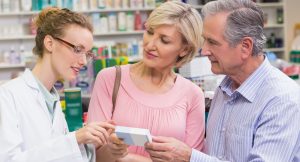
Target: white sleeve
[{"x": 63, "y": 148}]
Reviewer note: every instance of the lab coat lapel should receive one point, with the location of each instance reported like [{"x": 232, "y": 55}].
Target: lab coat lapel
[
  {"x": 31, "y": 82},
  {"x": 59, "y": 122}
]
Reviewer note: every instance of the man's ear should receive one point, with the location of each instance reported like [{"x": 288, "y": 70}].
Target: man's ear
[
  {"x": 246, "y": 47},
  {"x": 48, "y": 43}
]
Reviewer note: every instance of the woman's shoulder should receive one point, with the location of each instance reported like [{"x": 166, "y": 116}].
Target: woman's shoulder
[
  {"x": 189, "y": 87},
  {"x": 187, "y": 83},
  {"x": 109, "y": 74}
]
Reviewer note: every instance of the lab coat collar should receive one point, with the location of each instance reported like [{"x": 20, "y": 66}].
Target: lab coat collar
[
  {"x": 32, "y": 83},
  {"x": 30, "y": 79}
]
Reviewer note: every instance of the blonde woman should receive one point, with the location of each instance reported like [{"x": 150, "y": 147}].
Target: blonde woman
[{"x": 151, "y": 95}]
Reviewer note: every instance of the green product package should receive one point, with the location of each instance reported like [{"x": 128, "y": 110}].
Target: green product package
[
  {"x": 98, "y": 65},
  {"x": 110, "y": 62},
  {"x": 73, "y": 108},
  {"x": 295, "y": 56}
]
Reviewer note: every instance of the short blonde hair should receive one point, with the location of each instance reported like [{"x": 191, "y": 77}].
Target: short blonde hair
[{"x": 188, "y": 21}]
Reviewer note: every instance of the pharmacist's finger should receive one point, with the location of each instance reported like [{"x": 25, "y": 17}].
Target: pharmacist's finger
[
  {"x": 99, "y": 135},
  {"x": 106, "y": 125}
]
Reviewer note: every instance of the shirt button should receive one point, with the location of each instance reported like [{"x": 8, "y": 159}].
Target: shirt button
[
  {"x": 223, "y": 129},
  {"x": 220, "y": 157}
]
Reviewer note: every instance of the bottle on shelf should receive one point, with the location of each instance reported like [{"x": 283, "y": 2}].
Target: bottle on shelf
[
  {"x": 92, "y": 4},
  {"x": 96, "y": 20},
  {"x": 14, "y": 56},
  {"x": 158, "y": 2},
  {"x": 125, "y": 4},
  {"x": 6, "y": 57},
  {"x": 121, "y": 21},
  {"x": 6, "y": 6},
  {"x": 101, "y": 4},
  {"x": 22, "y": 54},
  {"x": 129, "y": 21},
  {"x": 104, "y": 23},
  {"x": 136, "y": 3},
  {"x": 14, "y": 6},
  {"x": 279, "y": 16},
  {"x": 109, "y": 4},
  {"x": 138, "y": 21},
  {"x": 26, "y": 5},
  {"x": 118, "y": 4},
  {"x": 271, "y": 41},
  {"x": 149, "y": 3},
  {"x": 59, "y": 3},
  {"x": 112, "y": 19}
]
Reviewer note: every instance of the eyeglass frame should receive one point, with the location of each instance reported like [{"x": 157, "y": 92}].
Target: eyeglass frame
[{"x": 77, "y": 49}]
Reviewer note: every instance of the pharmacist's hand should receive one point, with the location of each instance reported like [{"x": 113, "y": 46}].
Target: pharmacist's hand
[
  {"x": 117, "y": 147},
  {"x": 165, "y": 149},
  {"x": 94, "y": 133}
]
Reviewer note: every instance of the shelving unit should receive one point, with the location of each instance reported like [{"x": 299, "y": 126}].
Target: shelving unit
[
  {"x": 272, "y": 26},
  {"x": 117, "y": 33},
  {"x": 272, "y": 4},
  {"x": 28, "y": 40},
  {"x": 274, "y": 49},
  {"x": 12, "y": 66}
]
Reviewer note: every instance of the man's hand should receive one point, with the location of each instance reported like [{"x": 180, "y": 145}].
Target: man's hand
[{"x": 166, "y": 149}]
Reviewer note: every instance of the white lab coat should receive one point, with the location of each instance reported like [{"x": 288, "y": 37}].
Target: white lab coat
[{"x": 27, "y": 133}]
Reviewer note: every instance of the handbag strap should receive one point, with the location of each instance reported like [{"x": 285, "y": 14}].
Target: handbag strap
[{"x": 116, "y": 87}]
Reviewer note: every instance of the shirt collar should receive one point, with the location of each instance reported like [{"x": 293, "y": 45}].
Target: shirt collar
[
  {"x": 50, "y": 97},
  {"x": 250, "y": 86}
]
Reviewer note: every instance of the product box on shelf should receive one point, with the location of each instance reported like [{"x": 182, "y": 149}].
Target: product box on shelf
[{"x": 73, "y": 108}]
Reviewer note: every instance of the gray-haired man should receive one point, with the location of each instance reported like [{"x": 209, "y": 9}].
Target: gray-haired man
[{"x": 255, "y": 112}]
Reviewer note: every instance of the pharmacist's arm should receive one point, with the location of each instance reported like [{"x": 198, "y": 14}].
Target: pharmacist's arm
[
  {"x": 59, "y": 148},
  {"x": 12, "y": 143}
]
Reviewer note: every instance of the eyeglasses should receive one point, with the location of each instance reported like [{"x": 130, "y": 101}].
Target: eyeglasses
[{"x": 78, "y": 50}]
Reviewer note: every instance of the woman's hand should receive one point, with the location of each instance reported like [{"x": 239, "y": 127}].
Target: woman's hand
[
  {"x": 117, "y": 147},
  {"x": 94, "y": 133}
]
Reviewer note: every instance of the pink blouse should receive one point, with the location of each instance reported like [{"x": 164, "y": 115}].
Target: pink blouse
[{"x": 178, "y": 113}]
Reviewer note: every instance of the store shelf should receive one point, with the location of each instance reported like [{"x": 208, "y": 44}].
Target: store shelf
[
  {"x": 17, "y": 37},
  {"x": 84, "y": 11},
  {"x": 274, "y": 4},
  {"x": 134, "y": 59},
  {"x": 269, "y": 26},
  {"x": 274, "y": 49},
  {"x": 22, "y": 13},
  {"x": 119, "y": 33},
  {"x": 116, "y": 10},
  {"x": 11, "y": 66}
]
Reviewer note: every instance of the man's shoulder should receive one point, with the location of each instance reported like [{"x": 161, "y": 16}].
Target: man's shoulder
[
  {"x": 278, "y": 81},
  {"x": 279, "y": 88}
]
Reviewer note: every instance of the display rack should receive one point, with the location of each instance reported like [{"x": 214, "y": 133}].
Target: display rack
[{"x": 28, "y": 40}]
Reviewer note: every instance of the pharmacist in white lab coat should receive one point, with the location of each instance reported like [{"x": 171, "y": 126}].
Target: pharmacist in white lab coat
[{"x": 32, "y": 125}]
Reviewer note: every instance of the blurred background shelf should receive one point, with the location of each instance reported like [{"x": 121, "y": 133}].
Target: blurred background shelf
[{"x": 12, "y": 66}]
